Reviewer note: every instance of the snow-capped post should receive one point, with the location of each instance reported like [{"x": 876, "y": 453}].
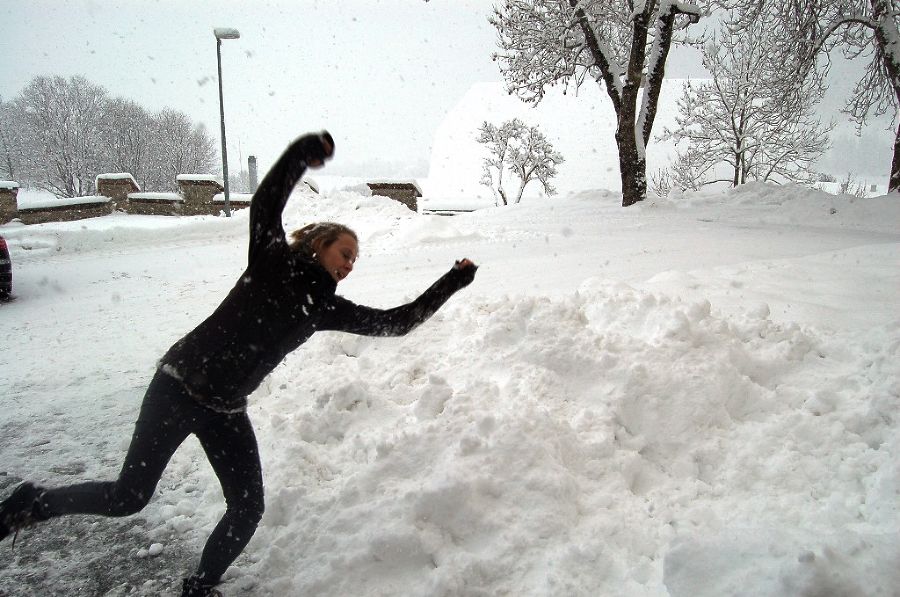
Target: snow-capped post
[
  {"x": 198, "y": 191},
  {"x": 9, "y": 206},
  {"x": 116, "y": 187},
  {"x": 549, "y": 42}
]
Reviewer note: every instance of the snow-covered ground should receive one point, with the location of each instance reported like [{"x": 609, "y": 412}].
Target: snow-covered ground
[{"x": 690, "y": 397}]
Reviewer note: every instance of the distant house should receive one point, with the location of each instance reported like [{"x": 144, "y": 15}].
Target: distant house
[{"x": 406, "y": 192}]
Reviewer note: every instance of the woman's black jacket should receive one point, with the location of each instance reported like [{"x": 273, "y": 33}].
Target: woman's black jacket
[{"x": 280, "y": 300}]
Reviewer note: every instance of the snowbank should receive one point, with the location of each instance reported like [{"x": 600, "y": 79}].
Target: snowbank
[{"x": 692, "y": 397}]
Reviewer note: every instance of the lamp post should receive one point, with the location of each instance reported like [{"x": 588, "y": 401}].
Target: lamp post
[{"x": 224, "y": 33}]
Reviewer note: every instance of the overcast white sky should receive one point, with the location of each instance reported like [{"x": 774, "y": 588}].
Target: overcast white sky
[{"x": 379, "y": 74}]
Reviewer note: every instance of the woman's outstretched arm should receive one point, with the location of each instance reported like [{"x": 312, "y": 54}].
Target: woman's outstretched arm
[
  {"x": 349, "y": 317},
  {"x": 271, "y": 196}
]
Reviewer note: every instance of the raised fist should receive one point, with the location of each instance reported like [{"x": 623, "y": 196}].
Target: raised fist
[{"x": 316, "y": 148}]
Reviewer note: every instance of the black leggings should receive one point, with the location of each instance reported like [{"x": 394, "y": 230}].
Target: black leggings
[{"x": 168, "y": 415}]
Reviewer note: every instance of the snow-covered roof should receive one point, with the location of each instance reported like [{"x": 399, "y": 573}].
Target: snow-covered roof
[
  {"x": 396, "y": 182},
  {"x": 8, "y": 184}
]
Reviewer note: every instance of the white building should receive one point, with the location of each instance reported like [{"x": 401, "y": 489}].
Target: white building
[{"x": 581, "y": 127}]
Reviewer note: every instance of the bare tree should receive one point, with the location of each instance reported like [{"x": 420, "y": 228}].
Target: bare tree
[
  {"x": 126, "y": 138},
  {"x": 620, "y": 45},
  {"x": 59, "y": 134},
  {"x": 740, "y": 120},
  {"x": 62, "y": 117},
  {"x": 850, "y": 186},
  {"x": 690, "y": 170},
  {"x": 178, "y": 146},
  {"x": 862, "y": 29},
  {"x": 12, "y": 159},
  {"x": 497, "y": 141},
  {"x": 203, "y": 156},
  {"x": 155, "y": 148},
  {"x": 523, "y": 151}
]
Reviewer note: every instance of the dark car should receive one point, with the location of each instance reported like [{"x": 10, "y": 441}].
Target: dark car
[{"x": 5, "y": 271}]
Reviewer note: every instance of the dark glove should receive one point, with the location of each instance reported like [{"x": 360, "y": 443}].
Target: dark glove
[
  {"x": 464, "y": 273},
  {"x": 315, "y": 148}
]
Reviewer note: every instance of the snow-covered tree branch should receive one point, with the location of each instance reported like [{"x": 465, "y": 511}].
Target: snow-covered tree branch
[
  {"x": 12, "y": 159},
  {"x": 521, "y": 150},
  {"x": 862, "y": 29},
  {"x": 59, "y": 134},
  {"x": 621, "y": 46},
  {"x": 740, "y": 126}
]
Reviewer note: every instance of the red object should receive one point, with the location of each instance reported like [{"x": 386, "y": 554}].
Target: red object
[{"x": 5, "y": 271}]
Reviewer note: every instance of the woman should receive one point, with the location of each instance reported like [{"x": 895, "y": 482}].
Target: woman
[{"x": 201, "y": 384}]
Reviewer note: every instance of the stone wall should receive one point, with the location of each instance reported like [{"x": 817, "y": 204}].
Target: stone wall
[
  {"x": 203, "y": 195},
  {"x": 155, "y": 204},
  {"x": 198, "y": 191},
  {"x": 8, "y": 205},
  {"x": 117, "y": 187},
  {"x": 235, "y": 200},
  {"x": 64, "y": 213},
  {"x": 200, "y": 195}
]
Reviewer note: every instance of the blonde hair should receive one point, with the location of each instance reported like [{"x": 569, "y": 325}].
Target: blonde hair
[{"x": 315, "y": 237}]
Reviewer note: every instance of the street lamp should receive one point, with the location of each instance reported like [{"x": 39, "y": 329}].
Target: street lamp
[{"x": 224, "y": 33}]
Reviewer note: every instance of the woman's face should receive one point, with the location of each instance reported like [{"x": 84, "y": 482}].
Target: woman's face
[{"x": 339, "y": 256}]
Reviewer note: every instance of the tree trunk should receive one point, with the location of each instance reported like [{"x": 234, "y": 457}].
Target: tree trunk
[
  {"x": 736, "y": 179},
  {"x": 886, "y": 36},
  {"x": 500, "y": 169},
  {"x": 634, "y": 182},
  {"x": 894, "y": 183},
  {"x": 632, "y": 163},
  {"x": 521, "y": 192},
  {"x": 632, "y": 166}
]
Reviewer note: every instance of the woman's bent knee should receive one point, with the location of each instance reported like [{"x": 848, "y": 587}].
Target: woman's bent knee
[
  {"x": 255, "y": 510},
  {"x": 248, "y": 504},
  {"x": 248, "y": 509}
]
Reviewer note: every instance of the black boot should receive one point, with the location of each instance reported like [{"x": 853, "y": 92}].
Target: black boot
[
  {"x": 195, "y": 587},
  {"x": 22, "y": 509}
]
